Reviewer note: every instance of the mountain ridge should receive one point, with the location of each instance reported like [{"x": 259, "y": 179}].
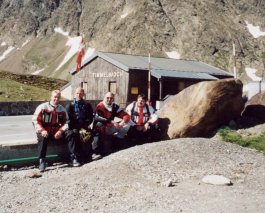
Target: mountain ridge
[{"x": 203, "y": 30}]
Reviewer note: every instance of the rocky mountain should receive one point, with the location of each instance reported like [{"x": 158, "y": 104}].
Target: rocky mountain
[{"x": 201, "y": 30}]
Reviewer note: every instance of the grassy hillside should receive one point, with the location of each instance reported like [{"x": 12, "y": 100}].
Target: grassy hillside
[
  {"x": 41, "y": 53},
  {"x": 17, "y": 87}
]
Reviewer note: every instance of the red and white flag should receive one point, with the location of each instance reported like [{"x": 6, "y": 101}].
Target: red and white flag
[{"x": 81, "y": 53}]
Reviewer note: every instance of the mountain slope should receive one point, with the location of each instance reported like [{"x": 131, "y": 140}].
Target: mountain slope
[{"x": 203, "y": 30}]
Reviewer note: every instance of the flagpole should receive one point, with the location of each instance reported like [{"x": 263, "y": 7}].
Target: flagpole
[
  {"x": 149, "y": 79},
  {"x": 234, "y": 60}
]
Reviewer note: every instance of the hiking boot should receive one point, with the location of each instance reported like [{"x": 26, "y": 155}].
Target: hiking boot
[
  {"x": 96, "y": 157},
  {"x": 42, "y": 165},
  {"x": 74, "y": 161}
]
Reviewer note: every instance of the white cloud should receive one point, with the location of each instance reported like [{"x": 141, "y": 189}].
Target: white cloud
[
  {"x": 251, "y": 73},
  {"x": 173, "y": 54},
  {"x": 5, "y": 53},
  {"x": 254, "y": 30}
]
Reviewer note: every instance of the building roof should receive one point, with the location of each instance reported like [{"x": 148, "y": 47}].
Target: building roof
[
  {"x": 159, "y": 73},
  {"x": 162, "y": 67}
]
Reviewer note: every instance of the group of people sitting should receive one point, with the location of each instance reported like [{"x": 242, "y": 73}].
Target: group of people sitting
[{"x": 108, "y": 129}]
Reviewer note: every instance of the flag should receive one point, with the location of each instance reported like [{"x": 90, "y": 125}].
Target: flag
[{"x": 80, "y": 55}]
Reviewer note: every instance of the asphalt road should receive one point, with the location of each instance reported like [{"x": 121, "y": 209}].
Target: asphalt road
[{"x": 16, "y": 130}]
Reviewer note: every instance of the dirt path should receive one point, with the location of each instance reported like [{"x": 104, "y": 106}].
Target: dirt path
[{"x": 137, "y": 180}]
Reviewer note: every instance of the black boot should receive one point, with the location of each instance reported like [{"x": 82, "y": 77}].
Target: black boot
[
  {"x": 42, "y": 165},
  {"x": 74, "y": 161}
]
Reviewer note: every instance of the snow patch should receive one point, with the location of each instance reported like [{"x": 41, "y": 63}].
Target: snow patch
[
  {"x": 254, "y": 30},
  {"x": 3, "y": 44},
  {"x": 59, "y": 30},
  {"x": 74, "y": 44},
  {"x": 37, "y": 72},
  {"x": 3, "y": 56},
  {"x": 27, "y": 41},
  {"x": 124, "y": 15},
  {"x": 251, "y": 73},
  {"x": 173, "y": 54},
  {"x": 89, "y": 52}
]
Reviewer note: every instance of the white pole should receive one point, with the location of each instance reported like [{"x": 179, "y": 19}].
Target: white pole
[
  {"x": 234, "y": 60},
  {"x": 149, "y": 78}
]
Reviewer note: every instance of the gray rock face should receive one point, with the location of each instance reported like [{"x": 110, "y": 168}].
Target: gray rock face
[
  {"x": 201, "y": 30},
  {"x": 201, "y": 108}
]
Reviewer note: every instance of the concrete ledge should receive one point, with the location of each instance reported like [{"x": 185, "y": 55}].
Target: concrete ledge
[{"x": 16, "y": 153}]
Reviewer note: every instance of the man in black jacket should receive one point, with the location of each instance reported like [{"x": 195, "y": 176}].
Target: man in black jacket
[{"x": 80, "y": 114}]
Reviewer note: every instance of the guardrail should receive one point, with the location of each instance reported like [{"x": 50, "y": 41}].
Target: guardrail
[{"x": 28, "y": 107}]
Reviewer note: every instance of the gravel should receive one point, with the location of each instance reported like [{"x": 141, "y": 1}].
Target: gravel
[{"x": 158, "y": 177}]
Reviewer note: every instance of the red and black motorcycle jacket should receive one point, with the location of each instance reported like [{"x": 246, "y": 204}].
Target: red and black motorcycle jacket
[
  {"x": 50, "y": 118},
  {"x": 105, "y": 114}
]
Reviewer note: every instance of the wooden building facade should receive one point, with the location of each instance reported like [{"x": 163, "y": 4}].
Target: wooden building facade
[{"x": 127, "y": 76}]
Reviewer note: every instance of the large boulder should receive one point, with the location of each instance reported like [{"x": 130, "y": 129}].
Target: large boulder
[
  {"x": 199, "y": 109},
  {"x": 255, "y": 109}
]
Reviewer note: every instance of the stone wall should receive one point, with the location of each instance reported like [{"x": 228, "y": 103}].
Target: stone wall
[{"x": 27, "y": 107}]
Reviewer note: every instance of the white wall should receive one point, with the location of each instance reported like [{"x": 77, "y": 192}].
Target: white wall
[
  {"x": 254, "y": 88},
  {"x": 67, "y": 93}
]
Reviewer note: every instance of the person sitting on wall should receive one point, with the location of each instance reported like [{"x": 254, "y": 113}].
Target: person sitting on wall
[
  {"x": 50, "y": 122},
  {"x": 109, "y": 132},
  {"x": 80, "y": 117},
  {"x": 144, "y": 121}
]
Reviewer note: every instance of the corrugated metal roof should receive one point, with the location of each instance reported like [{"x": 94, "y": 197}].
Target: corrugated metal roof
[
  {"x": 183, "y": 68},
  {"x": 158, "y": 73},
  {"x": 141, "y": 62}
]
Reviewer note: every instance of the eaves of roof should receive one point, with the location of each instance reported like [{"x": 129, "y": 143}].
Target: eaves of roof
[{"x": 159, "y": 73}]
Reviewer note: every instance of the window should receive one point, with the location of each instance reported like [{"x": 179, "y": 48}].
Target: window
[
  {"x": 134, "y": 90},
  {"x": 113, "y": 87},
  {"x": 84, "y": 86}
]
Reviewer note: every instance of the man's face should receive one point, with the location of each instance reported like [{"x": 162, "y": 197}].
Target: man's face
[
  {"x": 108, "y": 99},
  {"x": 141, "y": 101},
  {"x": 79, "y": 94},
  {"x": 55, "y": 98}
]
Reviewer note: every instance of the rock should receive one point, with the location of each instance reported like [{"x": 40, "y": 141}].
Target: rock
[
  {"x": 34, "y": 174},
  {"x": 4, "y": 167},
  {"x": 216, "y": 180},
  {"x": 255, "y": 108},
  {"x": 201, "y": 108},
  {"x": 168, "y": 183}
]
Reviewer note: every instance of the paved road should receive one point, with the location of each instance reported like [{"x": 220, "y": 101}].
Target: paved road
[{"x": 16, "y": 130}]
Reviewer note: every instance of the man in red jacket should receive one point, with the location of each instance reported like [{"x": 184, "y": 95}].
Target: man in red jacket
[
  {"x": 50, "y": 123},
  {"x": 144, "y": 121},
  {"x": 107, "y": 127}
]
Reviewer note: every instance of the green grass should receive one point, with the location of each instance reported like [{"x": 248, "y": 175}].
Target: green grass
[
  {"x": 254, "y": 142},
  {"x": 14, "y": 91},
  {"x": 45, "y": 51}
]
